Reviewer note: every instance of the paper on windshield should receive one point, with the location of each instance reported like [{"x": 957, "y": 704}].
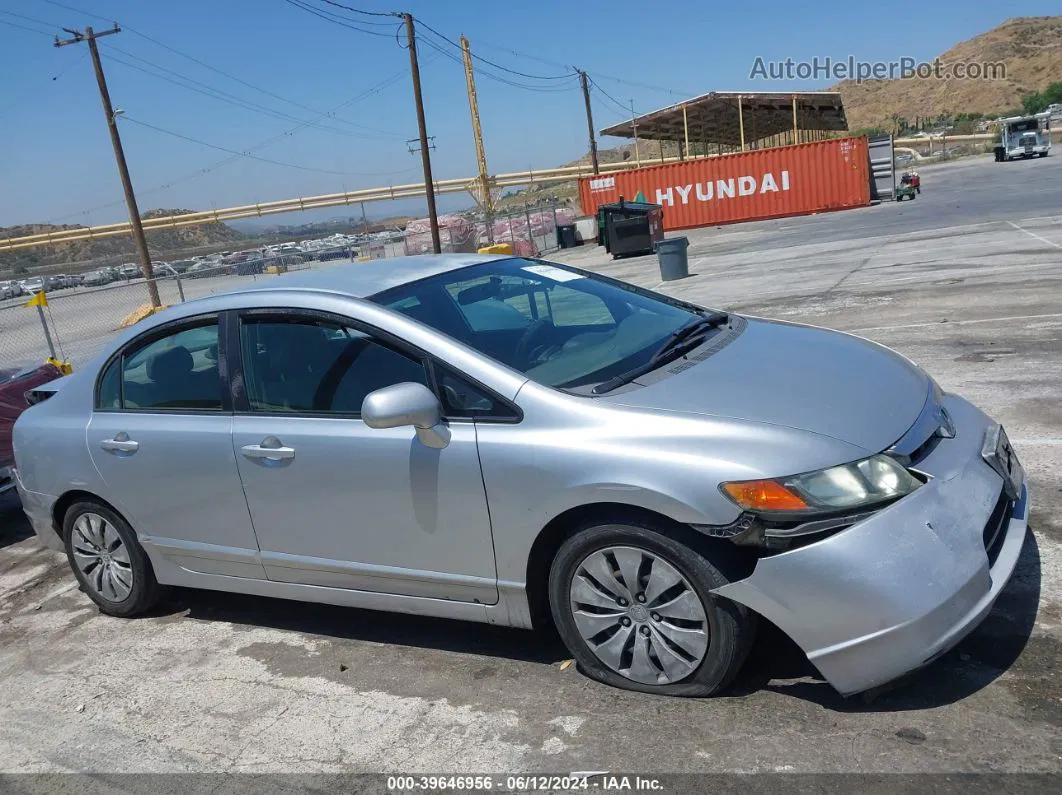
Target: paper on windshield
[{"x": 550, "y": 272}]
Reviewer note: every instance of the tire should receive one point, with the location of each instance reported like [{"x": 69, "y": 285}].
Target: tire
[
  {"x": 127, "y": 587},
  {"x": 730, "y": 627}
]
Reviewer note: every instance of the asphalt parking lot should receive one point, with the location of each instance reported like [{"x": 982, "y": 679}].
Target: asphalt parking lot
[{"x": 966, "y": 284}]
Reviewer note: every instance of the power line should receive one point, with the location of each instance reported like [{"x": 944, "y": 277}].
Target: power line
[
  {"x": 221, "y": 72},
  {"x": 375, "y": 89},
  {"x": 78, "y": 10},
  {"x": 497, "y": 78},
  {"x": 25, "y": 27},
  {"x": 365, "y": 13},
  {"x": 635, "y": 84},
  {"x": 625, "y": 115},
  {"x": 231, "y": 99},
  {"x": 237, "y": 79},
  {"x": 649, "y": 86},
  {"x": 335, "y": 19},
  {"x": 608, "y": 96},
  {"x": 519, "y": 54},
  {"x": 571, "y": 73},
  {"x": 30, "y": 19},
  {"x": 253, "y": 157},
  {"x": 547, "y": 61}
]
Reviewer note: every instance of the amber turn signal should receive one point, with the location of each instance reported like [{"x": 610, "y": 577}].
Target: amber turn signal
[{"x": 764, "y": 495}]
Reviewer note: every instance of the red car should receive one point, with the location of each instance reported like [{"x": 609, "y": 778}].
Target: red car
[{"x": 15, "y": 382}]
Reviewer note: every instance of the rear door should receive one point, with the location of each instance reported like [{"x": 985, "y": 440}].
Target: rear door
[
  {"x": 337, "y": 503},
  {"x": 161, "y": 438}
]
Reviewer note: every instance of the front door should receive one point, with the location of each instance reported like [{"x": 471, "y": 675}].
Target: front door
[
  {"x": 337, "y": 503},
  {"x": 161, "y": 439}
]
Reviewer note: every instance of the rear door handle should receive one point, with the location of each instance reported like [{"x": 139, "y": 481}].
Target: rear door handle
[
  {"x": 120, "y": 444},
  {"x": 270, "y": 449}
]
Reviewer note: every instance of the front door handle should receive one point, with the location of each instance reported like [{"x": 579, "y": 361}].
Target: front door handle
[
  {"x": 121, "y": 444},
  {"x": 270, "y": 449}
]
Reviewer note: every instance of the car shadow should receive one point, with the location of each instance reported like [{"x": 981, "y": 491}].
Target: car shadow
[
  {"x": 353, "y": 624},
  {"x": 778, "y": 665},
  {"x": 775, "y": 664}
]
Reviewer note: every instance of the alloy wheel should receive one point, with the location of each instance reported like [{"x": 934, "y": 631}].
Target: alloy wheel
[
  {"x": 639, "y": 615},
  {"x": 102, "y": 557}
]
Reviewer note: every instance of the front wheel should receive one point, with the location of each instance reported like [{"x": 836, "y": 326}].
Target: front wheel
[{"x": 634, "y": 606}]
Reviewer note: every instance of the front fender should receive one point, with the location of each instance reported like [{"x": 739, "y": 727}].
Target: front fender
[{"x": 668, "y": 463}]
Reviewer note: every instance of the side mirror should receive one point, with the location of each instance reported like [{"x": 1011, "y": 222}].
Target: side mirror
[{"x": 407, "y": 404}]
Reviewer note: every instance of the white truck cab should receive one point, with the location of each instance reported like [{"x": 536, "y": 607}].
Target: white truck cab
[{"x": 1024, "y": 136}]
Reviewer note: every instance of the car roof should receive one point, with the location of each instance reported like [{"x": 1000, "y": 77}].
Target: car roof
[{"x": 364, "y": 279}]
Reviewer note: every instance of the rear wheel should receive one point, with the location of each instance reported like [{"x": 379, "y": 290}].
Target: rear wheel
[
  {"x": 635, "y": 608},
  {"x": 108, "y": 561}
]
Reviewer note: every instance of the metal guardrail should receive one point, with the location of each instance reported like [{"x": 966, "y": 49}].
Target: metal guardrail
[{"x": 410, "y": 190}]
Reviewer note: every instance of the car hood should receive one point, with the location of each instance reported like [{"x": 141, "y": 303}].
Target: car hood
[{"x": 797, "y": 376}]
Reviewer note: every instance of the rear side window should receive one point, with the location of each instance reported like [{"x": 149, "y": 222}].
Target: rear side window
[
  {"x": 176, "y": 371},
  {"x": 309, "y": 365}
]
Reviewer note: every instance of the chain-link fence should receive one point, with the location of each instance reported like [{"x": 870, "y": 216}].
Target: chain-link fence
[
  {"x": 85, "y": 310},
  {"x": 531, "y": 229}
]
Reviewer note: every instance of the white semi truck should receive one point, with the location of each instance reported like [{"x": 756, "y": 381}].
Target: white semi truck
[{"x": 1024, "y": 136}]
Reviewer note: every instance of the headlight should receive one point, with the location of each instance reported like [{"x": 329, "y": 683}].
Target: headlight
[{"x": 861, "y": 483}]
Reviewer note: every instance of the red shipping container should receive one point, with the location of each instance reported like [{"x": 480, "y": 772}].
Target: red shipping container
[{"x": 764, "y": 183}]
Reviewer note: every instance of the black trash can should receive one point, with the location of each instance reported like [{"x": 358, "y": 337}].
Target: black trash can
[
  {"x": 671, "y": 253},
  {"x": 631, "y": 228},
  {"x": 566, "y": 236}
]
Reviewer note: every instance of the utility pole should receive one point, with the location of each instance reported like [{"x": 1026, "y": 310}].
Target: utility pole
[
  {"x": 487, "y": 200},
  {"x": 589, "y": 120},
  {"x": 634, "y": 124},
  {"x": 425, "y": 155},
  {"x": 119, "y": 155}
]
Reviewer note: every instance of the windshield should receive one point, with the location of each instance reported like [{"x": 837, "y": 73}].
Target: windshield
[
  {"x": 559, "y": 326},
  {"x": 1026, "y": 125}
]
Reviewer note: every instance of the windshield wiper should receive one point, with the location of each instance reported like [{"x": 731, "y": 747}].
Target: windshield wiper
[{"x": 679, "y": 342}]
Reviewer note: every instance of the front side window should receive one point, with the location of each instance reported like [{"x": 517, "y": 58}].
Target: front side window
[
  {"x": 316, "y": 366},
  {"x": 177, "y": 371},
  {"x": 559, "y": 326}
]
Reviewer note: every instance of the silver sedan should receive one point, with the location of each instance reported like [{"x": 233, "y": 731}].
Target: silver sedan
[{"x": 515, "y": 442}]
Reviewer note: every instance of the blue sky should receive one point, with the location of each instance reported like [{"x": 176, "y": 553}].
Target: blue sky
[{"x": 55, "y": 158}]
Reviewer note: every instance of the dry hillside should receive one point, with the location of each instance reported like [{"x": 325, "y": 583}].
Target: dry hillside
[
  {"x": 162, "y": 242},
  {"x": 1031, "y": 48}
]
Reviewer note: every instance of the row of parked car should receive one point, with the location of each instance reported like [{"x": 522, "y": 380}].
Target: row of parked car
[
  {"x": 224, "y": 263},
  {"x": 34, "y": 284}
]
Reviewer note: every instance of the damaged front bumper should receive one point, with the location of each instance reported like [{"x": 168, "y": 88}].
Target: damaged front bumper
[{"x": 894, "y": 591}]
